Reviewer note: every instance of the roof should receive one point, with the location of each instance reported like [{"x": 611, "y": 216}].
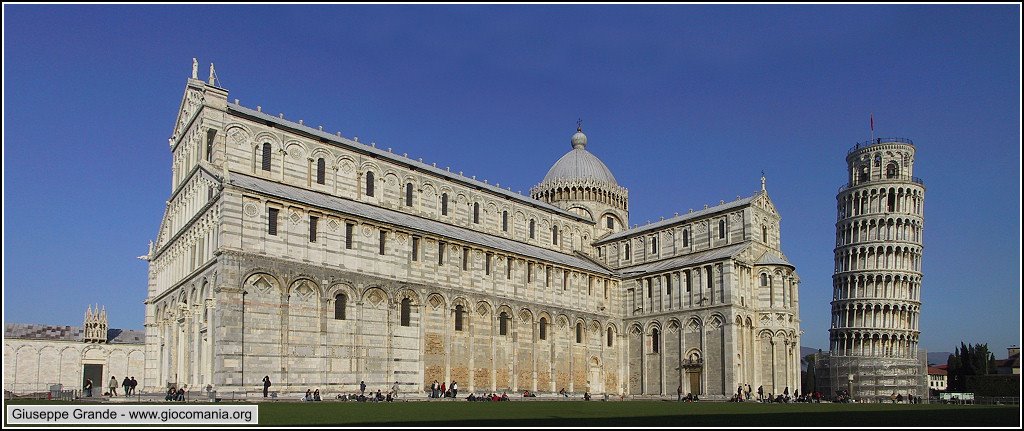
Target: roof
[
  {"x": 685, "y": 260},
  {"x": 580, "y": 164},
  {"x": 936, "y": 371},
  {"x": 70, "y": 333},
  {"x": 1012, "y": 362},
  {"x": 772, "y": 257},
  {"x": 679, "y": 219},
  {"x": 353, "y": 145},
  {"x": 409, "y": 221}
]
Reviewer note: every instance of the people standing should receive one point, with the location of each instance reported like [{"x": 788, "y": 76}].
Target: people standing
[
  {"x": 113, "y": 386},
  {"x": 266, "y": 385},
  {"x": 362, "y": 387},
  {"x": 444, "y": 392},
  {"x": 455, "y": 389},
  {"x": 433, "y": 389},
  {"x": 739, "y": 393},
  {"x": 133, "y": 384},
  {"x": 126, "y": 386},
  {"x": 87, "y": 388},
  {"x": 394, "y": 389},
  {"x": 679, "y": 393},
  {"x": 760, "y": 393}
]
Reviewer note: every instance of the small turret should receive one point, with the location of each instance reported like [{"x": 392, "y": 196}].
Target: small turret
[{"x": 95, "y": 325}]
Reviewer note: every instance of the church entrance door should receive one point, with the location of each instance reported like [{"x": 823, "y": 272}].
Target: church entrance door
[
  {"x": 694, "y": 377},
  {"x": 94, "y": 372},
  {"x": 596, "y": 383}
]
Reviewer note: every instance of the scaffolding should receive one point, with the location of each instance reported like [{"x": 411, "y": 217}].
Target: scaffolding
[{"x": 872, "y": 379}]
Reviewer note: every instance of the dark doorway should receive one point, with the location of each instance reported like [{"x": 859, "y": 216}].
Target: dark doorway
[{"x": 94, "y": 372}]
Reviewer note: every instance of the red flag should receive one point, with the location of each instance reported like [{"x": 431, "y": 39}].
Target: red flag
[{"x": 872, "y": 121}]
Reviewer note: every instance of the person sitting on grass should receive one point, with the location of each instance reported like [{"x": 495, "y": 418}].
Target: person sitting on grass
[
  {"x": 471, "y": 397},
  {"x": 170, "y": 394},
  {"x": 586, "y": 396},
  {"x": 316, "y": 395},
  {"x": 308, "y": 396}
]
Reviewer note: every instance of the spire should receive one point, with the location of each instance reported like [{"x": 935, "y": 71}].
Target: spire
[
  {"x": 195, "y": 68},
  {"x": 579, "y": 140},
  {"x": 212, "y": 74},
  {"x": 762, "y": 181}
]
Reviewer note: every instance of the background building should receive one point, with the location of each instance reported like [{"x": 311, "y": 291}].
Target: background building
[
  {"x": 38, "y": 356},
  {"x": 320, "y": 261},
  {"x": 876, "y": 299}
]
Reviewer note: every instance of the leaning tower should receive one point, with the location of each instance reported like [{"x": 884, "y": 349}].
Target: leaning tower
[{"x": 876, "y": 286}]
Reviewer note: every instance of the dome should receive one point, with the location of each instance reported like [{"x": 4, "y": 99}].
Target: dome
[{"x": 579, "y": 164}]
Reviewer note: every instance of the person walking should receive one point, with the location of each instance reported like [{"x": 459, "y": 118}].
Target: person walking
[
  {"x": 394, "y": 389},
  {"x": 455, "y": 389},
  {"x": 113, "y": 386},
  {"x": 362, "y": 387},
  {"x": 444, "y": 392},
  {"x": 433, "y": 389},
  {"x": 266, "y": 385},
  {"x": 760, "y": 393},
  {"x": 679, "y": 393},
  {"x": 126, "y": 386},
  {"x": 87, "y": 388},
  {"x": 134, "y": 383}
]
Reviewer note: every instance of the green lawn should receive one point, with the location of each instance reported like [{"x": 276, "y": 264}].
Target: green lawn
[{"x": 634, "y": 413}]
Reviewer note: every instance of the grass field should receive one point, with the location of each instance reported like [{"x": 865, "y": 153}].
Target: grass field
[{"x": 634, "y": 413}]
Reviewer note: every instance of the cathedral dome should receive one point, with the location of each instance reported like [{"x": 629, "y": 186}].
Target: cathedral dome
[{"x": 579, "y": 164}]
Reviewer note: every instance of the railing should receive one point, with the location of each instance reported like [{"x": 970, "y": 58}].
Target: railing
[
  {"x": 878, "y": 141},
  {"x": 906, "y": 178}
]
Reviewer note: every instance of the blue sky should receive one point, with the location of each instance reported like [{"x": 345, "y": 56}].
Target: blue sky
[{"x": 686, "y": 104}]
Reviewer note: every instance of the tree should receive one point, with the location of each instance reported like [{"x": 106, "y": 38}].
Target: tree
[{"x": 968, "y": 360}]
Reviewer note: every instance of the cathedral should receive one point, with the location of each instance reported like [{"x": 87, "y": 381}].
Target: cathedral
[{"x": 322, "y": 262}]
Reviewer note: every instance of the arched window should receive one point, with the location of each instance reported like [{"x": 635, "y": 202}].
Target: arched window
[
  {"x": 533, "y": 225},
  {"x": 579, "y": 332},
  {"x": 654, "y": 341},
  {"x": 406, "y": 311},
  {"x": 764, "y": 234},
  {"x": 627, "y": 251},
  {"x": 686, "y": 237},
  {"x": 654, "y": 245},
  {"x": 721, "y": 229},
  {"x": 611, "y": 222},
  {"x": 266, "y": 156},
  {"x": 891, "y": 204},
  {"x": 764, "y": 279},
  {"x": 369, "y": 183},
  {"x": 504, "y": 221},
  {"x": 543, "y": 328},
  {"x": 408, "y": 194},
  {"x": 321, "y": 169},
  {"x": 476, "y": 212},
  {"x": 609, "y": 337},
  {"x": 503, "y": 323},
  {"x": 554, "y": 235},
  {"x": 892, "y": 170},
  {"x": 459, "y": 310},
  {"x": 863, "y": 175},
  {"x": 339, "y": 306},
  {"x": 444, "y": 203}
]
